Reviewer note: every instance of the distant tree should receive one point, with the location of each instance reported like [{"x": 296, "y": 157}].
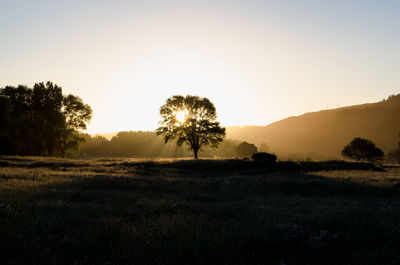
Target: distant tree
[
  {"x": 394, "y": 155},
  {"x": 136, "y": 144},
  {"x": 146, "y": 144},
  {"x": 362, "y": 149},
  {"x": 227, "y": 148},
  {"x": 245, "y": 149},
  {"x": 93, "y": 145},
  {"x": 190, "y": 120},
  {"x": 263, "y": 147}
]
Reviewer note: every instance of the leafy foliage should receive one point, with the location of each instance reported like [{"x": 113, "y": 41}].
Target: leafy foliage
[
  {"x": 198, "y": 129},
  {"x": 263, "y": 148},
  {"x": 362, "y": 149},
  {"x": 246, "y": 149},
  {"x": 40, "y": 120},
  {"x": 76, "y": 115}
]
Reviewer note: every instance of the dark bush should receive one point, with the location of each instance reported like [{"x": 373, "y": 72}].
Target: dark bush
[
  {"x": 362, "y": 149},
  {"x": 264, "y": 157}
]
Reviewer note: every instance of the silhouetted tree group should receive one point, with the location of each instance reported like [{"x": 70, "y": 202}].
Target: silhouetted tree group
[{"x": 41, "y": 120}]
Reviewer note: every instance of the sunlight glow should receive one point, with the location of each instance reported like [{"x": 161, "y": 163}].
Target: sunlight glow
[
  {"x": 274, "y": 59},
  {"x": 180, "y": 116}
]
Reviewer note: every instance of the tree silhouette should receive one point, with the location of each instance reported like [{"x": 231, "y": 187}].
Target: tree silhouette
[
  {"x": 17, "y": 121},
  {"x": 48, "y": 120},
  {"x": 245, "y": 149},
  {"x": 362, "y": 149},
  {"x": 40, "y": 120},
  {"x": 76, "y": 115},
  {"x": 190, "y": 120}
]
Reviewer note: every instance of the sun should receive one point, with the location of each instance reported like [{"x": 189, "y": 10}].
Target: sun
[{"x": 180, "y": 116}]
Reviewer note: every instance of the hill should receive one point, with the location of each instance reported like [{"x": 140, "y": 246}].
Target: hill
[{"x": 323, "y": 134}]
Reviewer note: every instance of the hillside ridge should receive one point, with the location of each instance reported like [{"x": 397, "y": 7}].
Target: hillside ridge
[{"x": 324, "y": 133}]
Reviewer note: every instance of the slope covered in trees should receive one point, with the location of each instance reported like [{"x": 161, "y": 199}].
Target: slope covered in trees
[
  {"x": 148, "y": 144},
  {"x": 323, "y": 134}
]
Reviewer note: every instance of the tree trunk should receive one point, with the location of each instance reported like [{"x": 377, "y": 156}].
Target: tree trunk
[{"x": 195, "y": 153}]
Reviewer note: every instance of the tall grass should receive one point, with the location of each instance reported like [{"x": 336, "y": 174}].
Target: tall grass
[{"x": 115, "y": 211}]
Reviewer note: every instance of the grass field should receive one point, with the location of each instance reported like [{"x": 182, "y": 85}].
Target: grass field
[{"x": 114, "y": 211}]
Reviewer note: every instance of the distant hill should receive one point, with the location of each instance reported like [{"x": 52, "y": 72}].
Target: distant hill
[{"x": 323, "y": 134}]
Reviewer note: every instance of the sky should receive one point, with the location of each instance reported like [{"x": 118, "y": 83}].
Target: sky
[{"x": 257, "y": 61}]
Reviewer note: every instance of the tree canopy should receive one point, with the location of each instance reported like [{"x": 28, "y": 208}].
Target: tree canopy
[
  {"x": 190, "y": 120},
  {"x": 41, "y": 120},
  {"x": 362, "y": 149}
]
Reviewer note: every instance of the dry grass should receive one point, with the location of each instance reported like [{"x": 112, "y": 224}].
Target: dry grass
[{"x": 135, "y": 211}]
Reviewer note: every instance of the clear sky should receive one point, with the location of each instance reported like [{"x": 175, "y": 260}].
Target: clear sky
[{"x": 258, "y": 61}]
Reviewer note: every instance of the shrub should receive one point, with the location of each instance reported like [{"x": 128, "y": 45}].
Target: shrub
[
  {"x": 245, "y": 149},
  {"x": 362, "y": 149},
  {"x": 264, "y": 157}
]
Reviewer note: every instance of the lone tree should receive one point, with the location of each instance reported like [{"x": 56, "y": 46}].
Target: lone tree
[
  {"x": 362, "y": 149},
  {"x": 190, "y": 120},
  {"x": 245, "y": 149}
]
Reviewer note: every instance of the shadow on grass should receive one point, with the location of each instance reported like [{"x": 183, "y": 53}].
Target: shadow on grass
[
  {"x": 225, "y": 165},
  {"x": 201, "y": 212}
]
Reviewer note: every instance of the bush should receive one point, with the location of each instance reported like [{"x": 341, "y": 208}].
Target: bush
[
  {"x": 362, "y": 149},
  {"x": 246, "y": 149},
  {"x": 264, "y": 157}
]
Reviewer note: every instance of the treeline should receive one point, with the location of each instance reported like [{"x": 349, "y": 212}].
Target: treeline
[
  {"x": 41, "y": 121},
  {"x": 147, "y": 144}
]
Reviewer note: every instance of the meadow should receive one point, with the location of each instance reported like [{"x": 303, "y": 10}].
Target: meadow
[{"x": 132, "y": 211}]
